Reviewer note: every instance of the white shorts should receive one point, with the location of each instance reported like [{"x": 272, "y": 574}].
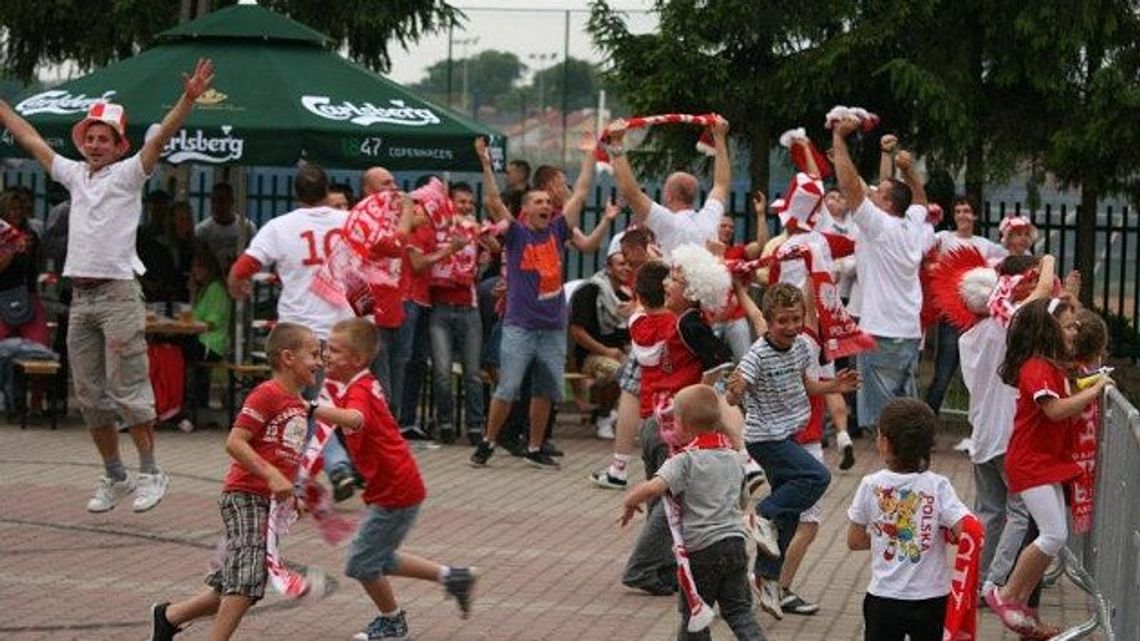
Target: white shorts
[{"x": 813, "y": 514}]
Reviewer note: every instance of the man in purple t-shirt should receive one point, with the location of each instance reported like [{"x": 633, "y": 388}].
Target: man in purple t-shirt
[{"x": 534, "y": 326}]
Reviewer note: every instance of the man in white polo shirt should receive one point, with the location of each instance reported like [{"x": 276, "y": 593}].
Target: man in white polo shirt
[
  {"x": 106, "y": 334},
  {"x": 675, "y": 222},
  {"x": 893, "y": 237}
]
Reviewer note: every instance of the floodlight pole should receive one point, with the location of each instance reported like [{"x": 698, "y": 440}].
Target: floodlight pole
[{"x": 565, "y": 82}]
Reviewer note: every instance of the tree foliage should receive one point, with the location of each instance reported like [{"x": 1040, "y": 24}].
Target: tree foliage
[
  {"x": 490, "y": 73},
  {"x": 92, "y": 33}
]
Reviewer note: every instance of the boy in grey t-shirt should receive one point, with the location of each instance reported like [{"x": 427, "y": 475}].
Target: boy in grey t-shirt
[{"x": 706, "y": 478}]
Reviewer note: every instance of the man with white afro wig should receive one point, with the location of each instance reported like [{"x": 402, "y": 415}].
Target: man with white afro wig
[{"x": 706, "y": 278}]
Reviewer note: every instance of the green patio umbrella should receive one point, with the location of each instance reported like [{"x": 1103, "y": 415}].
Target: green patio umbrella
[{"x": 278, "y": 96}]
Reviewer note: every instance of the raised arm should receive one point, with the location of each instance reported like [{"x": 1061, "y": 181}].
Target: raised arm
[
  {"x": 722, "y": 166},
  {"x": 905, "y": 163},
  {"x": 753, "y": 250},
  {"x": 492, "y": 200},
  {"x": 193, "y": 86},
  {"x": 587, "y": 244},
  {"x": 26, "y": 136},
  {"x": 887, "y": 146},
  {"x": 572, "y": 208},
  {"x": 850, "y": 184},
  {"x": 628, "y": 189}
]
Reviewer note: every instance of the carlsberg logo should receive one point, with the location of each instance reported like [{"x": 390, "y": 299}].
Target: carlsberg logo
[
  {"x": 196, "y": 146},
  {"x": 60, "y": 102},
  {"x": 367, "y": 114}
]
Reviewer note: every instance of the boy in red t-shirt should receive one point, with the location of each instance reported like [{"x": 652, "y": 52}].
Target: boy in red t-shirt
[
  {"x": 266, "y": 443},
  {"x": 393, "y": 488}
]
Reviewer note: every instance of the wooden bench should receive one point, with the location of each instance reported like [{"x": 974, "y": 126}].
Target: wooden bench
[{"x": 24, "y": 370}]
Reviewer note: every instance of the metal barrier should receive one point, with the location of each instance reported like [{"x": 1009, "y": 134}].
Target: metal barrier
[{"x": 1105, "y": 563}]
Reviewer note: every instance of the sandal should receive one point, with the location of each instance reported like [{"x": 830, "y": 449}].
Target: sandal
[{"x": 1014, "y": 616}]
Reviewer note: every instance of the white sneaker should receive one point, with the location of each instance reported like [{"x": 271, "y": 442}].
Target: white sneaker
[
  {"x": 149, "y": 490},
  {"x": 108, "y": 493},
  {"x": 605, "y": 430},
  {"x": 768, "y": 593},
  {"x": 764, "y": 534},
  {"x": 185, "y": 425}
]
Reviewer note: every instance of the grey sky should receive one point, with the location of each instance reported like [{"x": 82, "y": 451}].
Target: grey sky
[{"x": 523, "y": 27}]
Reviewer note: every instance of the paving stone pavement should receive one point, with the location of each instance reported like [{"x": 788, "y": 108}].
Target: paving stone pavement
[{"x": 547, "y": 545}]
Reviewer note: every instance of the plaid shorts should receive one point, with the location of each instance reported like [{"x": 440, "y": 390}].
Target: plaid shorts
[
  {"x": 629, "y": 376},
  {"x": 243, "y": 571}
]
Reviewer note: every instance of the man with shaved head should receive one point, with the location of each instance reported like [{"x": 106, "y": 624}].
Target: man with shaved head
[
  {"x": 676, "y": 221},
  {"x": 376, "y": 180}
]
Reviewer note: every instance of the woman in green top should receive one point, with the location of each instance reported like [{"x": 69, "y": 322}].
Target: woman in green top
[{"x": 212, "y": 306}]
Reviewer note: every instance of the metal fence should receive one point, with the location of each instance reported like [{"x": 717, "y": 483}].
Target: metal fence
[
  {"x": 1117, "y": 233},
  {"x": 1110, "y": 553}
]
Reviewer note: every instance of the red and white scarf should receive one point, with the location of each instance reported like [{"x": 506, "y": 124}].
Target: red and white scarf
[
  {"x": 705, "y": 143},
  {"x": 1086, "y": 432},
  {"x": 333, "y": 527},
  {"x": 961, "y": 622},
  {"x": 839, "y": 334}
]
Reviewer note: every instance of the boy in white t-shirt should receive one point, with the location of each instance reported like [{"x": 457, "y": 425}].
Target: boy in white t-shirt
[
  {"x": 106, "y": 333},
  {"x": 898, "y": 514}
]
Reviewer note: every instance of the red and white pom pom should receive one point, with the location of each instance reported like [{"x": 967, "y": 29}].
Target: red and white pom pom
[
  {"x": 934, "y": 213},
  {"x": 867, "y": 120}
]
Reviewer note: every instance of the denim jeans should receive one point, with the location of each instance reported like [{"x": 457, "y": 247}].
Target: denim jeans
[
  {"x": 413, "y": 337},
  {"x": 888, "y": 373},
  {"x": 945, "y": 364},
  {"x": 652, "y": 566},
  {"x": 797, "y": 480},
  {"x": 458, "y": 329},
  {"x": 545, "y": 348},
  {"x": 720, "y": 574},
  {"x": 390, "y": 359}
]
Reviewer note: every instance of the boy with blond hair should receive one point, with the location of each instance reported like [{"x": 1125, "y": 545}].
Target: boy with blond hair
[
  {"x": 393, "y": 487},
  {"x": 707, "y": 480},
  {"x": 266, "y": 444}
]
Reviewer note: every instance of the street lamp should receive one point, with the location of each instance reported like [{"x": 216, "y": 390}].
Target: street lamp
[
  {"x": 462, "y": 42},
  {"x": 541, "y": 59}
]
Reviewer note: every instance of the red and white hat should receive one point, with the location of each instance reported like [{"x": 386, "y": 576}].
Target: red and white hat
[
  {"x": 802, "y": 202},
  {"x": 112, "y": 115}
]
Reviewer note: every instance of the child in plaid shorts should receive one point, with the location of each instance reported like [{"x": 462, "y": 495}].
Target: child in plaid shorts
[{"x": 266, "y": 443}]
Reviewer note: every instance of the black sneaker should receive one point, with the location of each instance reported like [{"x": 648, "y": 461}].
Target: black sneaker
[
  {"x": 794, "y": 604},
  {"x": 460, "y": 583},
  {"x": 343, "y": 483},
  {"x": 550, "y": 449},
  {"x": 603, "y": 478},
  {"x": 161, "y": 629},
  {"x": 848, "y": 460},
  {"x": 482, "y": 452},
  {"x": 541, "y": 460}
]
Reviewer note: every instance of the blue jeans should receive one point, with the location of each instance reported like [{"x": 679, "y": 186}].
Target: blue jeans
[
  {"x": 888, "y": 373},
  {"x": 458, "y": 329},
  {"x": 546, "y": 348},
  {"x": 390, "y": 358},
  {"x": 945, "y": 364},
  {"x": 797, "y": 480},
  {"x": 413, "y": 337}
]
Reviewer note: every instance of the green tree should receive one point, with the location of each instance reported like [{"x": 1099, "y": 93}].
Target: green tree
[
  {"x": 490, "y": 73},
  {"x": 582, "y": 82},
  {"x": 92, "y": 33}
]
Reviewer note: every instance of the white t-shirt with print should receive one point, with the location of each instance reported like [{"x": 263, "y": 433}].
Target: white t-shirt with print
[
  {"x": 106, "y": 207},
  {"x": 297, "y": 244},
  {"x": 676, "y": 228},
  {"x": 887, "y": 259},
  {"x": 905, "y": 514}
]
